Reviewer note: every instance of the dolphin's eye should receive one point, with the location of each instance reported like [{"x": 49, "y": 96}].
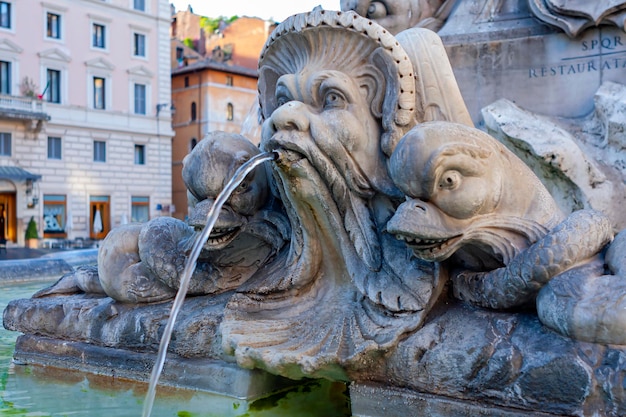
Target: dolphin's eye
[
  {"x": 281, "y": 100},
  {"x": 376, "y": 10},
  {"x": 450, "y": 180},
  {"x": 334, "y": 100},
  {"x": 242, "y": 187}
]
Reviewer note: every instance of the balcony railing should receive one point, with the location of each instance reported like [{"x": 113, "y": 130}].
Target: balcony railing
[{"x": 13, "y": 107}]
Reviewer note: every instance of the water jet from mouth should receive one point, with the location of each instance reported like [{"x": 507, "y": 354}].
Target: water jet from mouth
[{"x": 200, "y": 241}]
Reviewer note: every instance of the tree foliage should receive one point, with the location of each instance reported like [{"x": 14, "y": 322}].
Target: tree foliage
[
  {"x": 189, "y": 43},
  {"x": 31, "y": 229},
  {"x": 211, "y": 24}
]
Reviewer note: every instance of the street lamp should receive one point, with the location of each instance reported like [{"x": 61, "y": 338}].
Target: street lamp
[{"x": 161, "y": 106}]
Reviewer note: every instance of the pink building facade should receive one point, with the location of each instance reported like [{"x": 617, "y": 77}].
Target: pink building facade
[{"x": 85, "y": 116}]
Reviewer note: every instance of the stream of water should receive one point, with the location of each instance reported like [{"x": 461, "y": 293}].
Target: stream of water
[
  {"x": 201, "y": 240},
  {"x": 30, "y": 390}
]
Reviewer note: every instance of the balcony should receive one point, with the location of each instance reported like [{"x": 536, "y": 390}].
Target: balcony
[{"x": 30, "y": 110}]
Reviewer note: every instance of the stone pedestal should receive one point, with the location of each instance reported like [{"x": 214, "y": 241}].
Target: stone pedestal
[
  {"x": 500, "y": 50},
  {"x": 100, "y": 336},
  {"x": 370, "y": 400},
  {"x": 198, "y": 374}
]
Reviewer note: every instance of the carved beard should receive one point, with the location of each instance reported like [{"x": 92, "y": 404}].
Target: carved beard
[
  {"x": 346, "y": 186},
  {"x": 343, "y": 290}
]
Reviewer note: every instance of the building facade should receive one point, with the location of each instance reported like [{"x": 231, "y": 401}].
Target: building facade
[
  {"x": 208, "y": 96},
  {"x": 85, "y": 115},
  {"x": 217, "y": 92}
]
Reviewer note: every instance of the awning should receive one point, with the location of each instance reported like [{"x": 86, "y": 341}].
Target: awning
[{"x": 17, "y": 173}]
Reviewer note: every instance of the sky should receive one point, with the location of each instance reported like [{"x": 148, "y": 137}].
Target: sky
[{"x": 277, "y": 10}]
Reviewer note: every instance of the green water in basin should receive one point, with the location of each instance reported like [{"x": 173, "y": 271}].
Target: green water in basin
[{"x": 45, "y": 391}]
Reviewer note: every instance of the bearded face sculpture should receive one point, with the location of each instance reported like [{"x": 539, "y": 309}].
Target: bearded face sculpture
[{"x": 337, "y": 92}]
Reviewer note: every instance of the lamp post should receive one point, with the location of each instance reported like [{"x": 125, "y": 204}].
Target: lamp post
[{"x": 159, "y": 107}]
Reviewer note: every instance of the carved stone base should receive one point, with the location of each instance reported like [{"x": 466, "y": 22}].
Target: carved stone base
[
  {"x": 209, "y": 375},
  {"x": 379, "y": 401},
  {"x": 469, "y": 361}
]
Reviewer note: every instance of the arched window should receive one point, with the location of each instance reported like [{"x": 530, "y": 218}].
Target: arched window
[
  {"x": 230, "y": 112},
  {"x": 192, "y": 144},
  {"x": 193, "y": 111}
]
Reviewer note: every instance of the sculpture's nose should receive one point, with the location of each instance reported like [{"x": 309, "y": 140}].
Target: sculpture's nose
[{"x": 291, "y": 116}]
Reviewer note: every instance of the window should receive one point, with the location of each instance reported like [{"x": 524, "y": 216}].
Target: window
[
  {"x": 5, "y": 77},
  {"x": 53, "y": 25},
  {"x": 193, "y": 111},
  {"x": 180, "y": 52},
  {"x": 5, "y": 15},
  {"x": 140, "y": 154},
  {"x": 192, "y": 144},
  {"x": 186, "y": 81},
  {"x": 98, "y": 36},
  {"x": 54, "y": 215},
  {"x": 140, "y": 209},
  {"x": 5, "y": 144},
  {"x": 98, "y": 93},
  {"x": 54, "y": 147},
  {"x": 139, "y": 48},
  {"x": 139, "y": 5},
  {"x": 230, "y": 112},
  {"x": 53, "y": 86},
  {"x": 140, "y": 99},
  {"x": 229, "y": 80},
  {"x": 99, "y": 151}
]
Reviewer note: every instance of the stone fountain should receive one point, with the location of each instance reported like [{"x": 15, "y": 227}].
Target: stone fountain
[{"x": 391, "y": 245}]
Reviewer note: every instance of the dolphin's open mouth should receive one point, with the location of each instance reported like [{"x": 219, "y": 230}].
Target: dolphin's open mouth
[
  {"x": 222, "y": 236},
  {"x": 431, "y": 248}
]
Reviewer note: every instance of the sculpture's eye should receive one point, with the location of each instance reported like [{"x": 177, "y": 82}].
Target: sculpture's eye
[
  {"x": 334, "y": 100},
  {"x": 281, "y": 100},
  {"x": 243, "y": 186},
  {"x": 376, "y": 10},
  {"x": 450, "y": 180}
]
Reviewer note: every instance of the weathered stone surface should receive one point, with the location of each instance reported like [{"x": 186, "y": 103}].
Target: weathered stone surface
[
  {"x": 473, "y": 206},
  {"x": 378, "y": 400},
  {"x": 573, "y": 16},
  {"x": 333, "y": 128},
  {"x": 505, "y": 360},
  {"x": 102, "y": 321},
  {"x": 345, "y": 299},
  {"x": 581, "y": 161},
  {"x": 198, "y": 374},
  {"x": 398, "y": 15},
  {"x": 499, "y": 50}
]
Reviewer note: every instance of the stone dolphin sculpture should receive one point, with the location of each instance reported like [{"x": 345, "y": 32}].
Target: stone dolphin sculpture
[
  {"x": 475, "y": 207},
  {"x": 142, "y": 263},
  {"x": 463, "y": 185}
]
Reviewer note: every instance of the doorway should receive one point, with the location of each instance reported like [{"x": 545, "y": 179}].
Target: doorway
[
  {"x": 99, "y": 217},
  {"x": 8, "y": 217}
]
